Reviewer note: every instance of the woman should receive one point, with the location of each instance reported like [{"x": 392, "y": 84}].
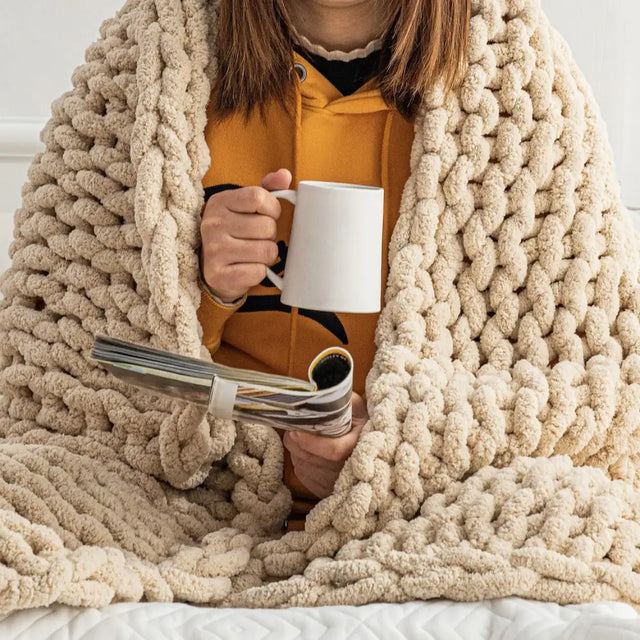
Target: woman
[
  {"x": 345, "y": 115},
  {"x": 502, "y": 453}
]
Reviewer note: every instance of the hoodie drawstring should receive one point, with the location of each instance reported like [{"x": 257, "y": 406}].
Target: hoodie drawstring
[
  {"x": 384, "y": 179},
  {"x": 297, "y": 145}
]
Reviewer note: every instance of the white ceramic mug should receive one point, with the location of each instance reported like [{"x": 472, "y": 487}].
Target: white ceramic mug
[{"x": 334, "y": 261}]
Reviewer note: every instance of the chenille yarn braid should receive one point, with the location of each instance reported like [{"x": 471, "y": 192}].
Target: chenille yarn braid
[{"x": 501, "y": 454}]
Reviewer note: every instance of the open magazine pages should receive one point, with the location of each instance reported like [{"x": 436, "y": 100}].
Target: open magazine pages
[{"x": 320, "y": 404}]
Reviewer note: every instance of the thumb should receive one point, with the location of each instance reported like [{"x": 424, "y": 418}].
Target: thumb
[
  {"x": 280, "y": 179},
  {"x": 358, "y": 407}
]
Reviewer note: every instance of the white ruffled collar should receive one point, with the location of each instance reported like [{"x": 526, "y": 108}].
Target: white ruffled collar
[{"x": 343, "y": 56}]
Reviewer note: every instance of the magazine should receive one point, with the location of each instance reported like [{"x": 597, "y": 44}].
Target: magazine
[{"x": 321, "y": 404}]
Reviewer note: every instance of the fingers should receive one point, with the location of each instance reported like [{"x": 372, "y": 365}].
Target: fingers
[
  {"x": 249, "y": 251},
  {"x": 320, "y": 486},
  {"x": 304, "y": 457},
  {"x": 316, "y": 447},
  {"x": 317, "y": 470},
  {"x": 228, "y": 250},
  {"x": 358, "y": 407},
  {"x": 251, "y": 226},
  {"x": 239, "y": 230},
  {"x": 252, "y": 200},
  {"x": 240, "y": 277},
  {"x": 332, "y": 449},
  {"x": 319, "y": 479},
  {"x": 277, "y": 180}
]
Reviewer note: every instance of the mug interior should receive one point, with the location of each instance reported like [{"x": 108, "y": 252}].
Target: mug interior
[{"x": 338, "y": 185}]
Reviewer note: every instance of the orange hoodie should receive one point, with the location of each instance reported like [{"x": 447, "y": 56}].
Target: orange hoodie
[{"x": 357, "y": 139}]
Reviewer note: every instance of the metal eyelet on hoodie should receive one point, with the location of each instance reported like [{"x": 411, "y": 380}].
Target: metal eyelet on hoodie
[{"x": 301, "y": 70}]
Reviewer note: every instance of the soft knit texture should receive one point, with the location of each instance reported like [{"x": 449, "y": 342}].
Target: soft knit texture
[{"x": 510, "y": 335}]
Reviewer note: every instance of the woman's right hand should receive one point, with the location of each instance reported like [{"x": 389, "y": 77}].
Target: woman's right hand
[{"x": 238, "y": 231}]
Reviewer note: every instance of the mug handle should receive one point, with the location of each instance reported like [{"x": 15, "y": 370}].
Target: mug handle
[{"x": 292, "y": 197}]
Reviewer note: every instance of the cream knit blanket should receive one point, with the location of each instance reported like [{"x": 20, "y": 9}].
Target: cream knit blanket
[{"x": 501, "y": 454}]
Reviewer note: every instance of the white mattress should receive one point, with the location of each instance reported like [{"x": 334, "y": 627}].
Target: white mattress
[{"x": 506, "y": 619}]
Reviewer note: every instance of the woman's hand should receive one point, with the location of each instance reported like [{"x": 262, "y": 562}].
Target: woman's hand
[
  {"x": 238, "y": 231},
  {"x": 318, "y": 460}
]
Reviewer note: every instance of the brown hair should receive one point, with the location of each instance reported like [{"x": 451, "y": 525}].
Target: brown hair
[{"x": 425, "y": 41}]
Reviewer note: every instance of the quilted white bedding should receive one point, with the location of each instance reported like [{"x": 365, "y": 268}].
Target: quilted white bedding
[{"x": 506, "y": 619}]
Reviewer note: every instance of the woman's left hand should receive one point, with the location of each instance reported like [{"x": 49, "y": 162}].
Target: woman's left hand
[{"x": 318, "y": 460}]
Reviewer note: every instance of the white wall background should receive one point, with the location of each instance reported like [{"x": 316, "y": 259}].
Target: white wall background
[
  {"x": 41, "y": 41},
  {"x": 604, "y": 39}
]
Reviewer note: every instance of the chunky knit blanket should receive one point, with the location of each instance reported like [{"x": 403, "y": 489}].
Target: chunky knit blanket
[{"x": 501, "y": 454}]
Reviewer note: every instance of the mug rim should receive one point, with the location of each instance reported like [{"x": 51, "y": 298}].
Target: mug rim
[{"x": 338, "y": 185}]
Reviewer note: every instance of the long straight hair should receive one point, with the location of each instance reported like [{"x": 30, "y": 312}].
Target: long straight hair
[{"x": 425, "y": 41}]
